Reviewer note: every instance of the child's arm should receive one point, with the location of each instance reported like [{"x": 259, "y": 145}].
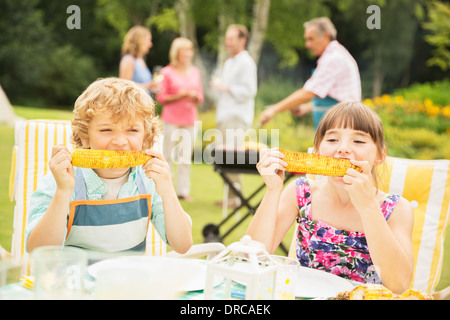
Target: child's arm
[
  {"x": 50, "y": 230},
  {"x": 177, "y": 223},
  {"x": 277, "y": 211},
  {"x": 390, "y": 243}
]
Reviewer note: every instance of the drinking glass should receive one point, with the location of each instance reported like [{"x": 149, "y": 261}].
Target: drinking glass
[
  {"x": 286, "y": 278},
  {"x": 59, "y": 272}
]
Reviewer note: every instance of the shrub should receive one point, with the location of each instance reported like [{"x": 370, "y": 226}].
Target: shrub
[
  {"x": 418, "y": 106},
  {"x": 416, "y": 126},
  {"x": 66, "y": 76}
]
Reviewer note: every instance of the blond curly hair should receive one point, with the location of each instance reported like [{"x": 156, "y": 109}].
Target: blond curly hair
[
  {"x": 135, "y": 41},
  {"x": 124, "y": 99}
]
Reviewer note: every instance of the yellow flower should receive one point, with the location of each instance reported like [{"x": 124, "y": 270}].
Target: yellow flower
[
  {"x": 398, "y": 99},
  {"x": 433, "y": 110},
  {"x": 446, "y": 111},
  {"x": 428, "y": 103},
  {"x": 385, "y": 98},
  {"x": 377, "y": 101},
  {"x": 368, "y": 102}
]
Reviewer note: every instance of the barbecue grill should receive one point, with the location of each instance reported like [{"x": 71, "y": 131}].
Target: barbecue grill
[{"x": 228, "y": 160}]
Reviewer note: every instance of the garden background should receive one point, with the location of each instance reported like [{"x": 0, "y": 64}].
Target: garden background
[{"x": 404, "y": 66}]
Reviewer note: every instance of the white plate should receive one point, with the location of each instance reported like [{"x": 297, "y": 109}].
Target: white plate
[
  {"x": 312, "y": 283},
  {"x": 193, "y": 271}
]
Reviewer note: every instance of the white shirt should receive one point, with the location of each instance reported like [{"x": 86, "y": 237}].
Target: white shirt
[
  {"x": 113, "y": 186},
  {"x": 240, "y": 75}
]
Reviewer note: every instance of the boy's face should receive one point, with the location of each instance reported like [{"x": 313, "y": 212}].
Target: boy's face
[{"x": 106, "y": 134}]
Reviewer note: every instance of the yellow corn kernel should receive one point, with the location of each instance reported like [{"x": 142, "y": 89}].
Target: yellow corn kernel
[
  {"x": 413, "y": 294},
  {"x": 379, "y": 292},
  {"x": 101, "y": 159},
  {"x": 311, "y": 163},
  {"x": 371, "y": 292}
]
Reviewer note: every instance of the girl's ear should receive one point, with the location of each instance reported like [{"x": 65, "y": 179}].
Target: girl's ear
[{"x": 381, "y": 157}]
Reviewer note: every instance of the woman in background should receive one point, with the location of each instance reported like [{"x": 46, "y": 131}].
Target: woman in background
[
  {"x": 136, "y": 45},
  {"x": 180, "y": 94}
]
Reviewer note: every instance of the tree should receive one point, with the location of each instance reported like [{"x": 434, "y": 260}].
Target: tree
[
  {"x": 388, "y": 51},
  {"x": 259, "y": 27},
  {"x": 220, "y": 14},
  {"x": 438, "y": 24}
]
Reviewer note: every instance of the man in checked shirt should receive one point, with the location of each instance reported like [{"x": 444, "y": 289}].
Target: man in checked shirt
[{"x": 335, "y": 79}]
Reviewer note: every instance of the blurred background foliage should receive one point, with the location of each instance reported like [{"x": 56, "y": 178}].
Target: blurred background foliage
[
  {"x": 43, "y": 63},
  {"x": 404, "y": 66}
]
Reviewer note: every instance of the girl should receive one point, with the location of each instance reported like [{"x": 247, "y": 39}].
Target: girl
[{"x": 345, "y": 225}]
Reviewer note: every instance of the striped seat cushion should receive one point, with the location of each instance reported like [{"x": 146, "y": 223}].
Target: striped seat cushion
[{"x": 426, "y": 184}]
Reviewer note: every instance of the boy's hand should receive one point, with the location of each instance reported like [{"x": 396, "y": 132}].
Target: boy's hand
[
  {"x": 158, "y": 169},
  {"x": 60, "y": 165}
]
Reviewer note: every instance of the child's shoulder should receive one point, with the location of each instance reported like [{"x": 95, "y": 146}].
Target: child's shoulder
[
  {"x": 304, "y": 182},
  {"x": 46, "y": 186}
]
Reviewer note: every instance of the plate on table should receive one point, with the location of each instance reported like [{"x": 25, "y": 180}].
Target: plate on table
[
  {"x": 191, "y": 272},
  {"x": 312, "y": 283}
]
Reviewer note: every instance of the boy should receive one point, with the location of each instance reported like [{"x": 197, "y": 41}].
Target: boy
[{"x": 109, "y": 208}]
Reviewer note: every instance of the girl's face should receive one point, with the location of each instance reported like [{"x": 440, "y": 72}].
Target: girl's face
[
  {"x": 350, "y": 144},
  {"x": 106, "y": 134}
]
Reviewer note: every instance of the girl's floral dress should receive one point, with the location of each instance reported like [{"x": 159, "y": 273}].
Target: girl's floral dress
[{"x": 340, "y": 252}]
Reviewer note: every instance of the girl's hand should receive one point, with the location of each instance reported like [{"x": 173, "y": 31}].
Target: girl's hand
[
  {"x": 158, "y": 169},
  {"x": 271, "y": 167},
  {"x": 359, "y": 185},
  {"x": 60, "y": 165}
]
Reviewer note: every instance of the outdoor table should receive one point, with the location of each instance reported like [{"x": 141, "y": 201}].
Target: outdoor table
[{"x": 17, "y": 291}]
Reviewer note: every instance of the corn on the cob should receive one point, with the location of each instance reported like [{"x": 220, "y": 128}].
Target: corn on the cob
[
  {"x": 379, "y": 292},
  {"x": 371, "y": 292},
  {"x": 311, "y": 163},
  {"x": 98, "y": 159},
  {"x": 413, "y": 294}
]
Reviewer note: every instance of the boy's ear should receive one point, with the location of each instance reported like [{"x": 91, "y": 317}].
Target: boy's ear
[{"x": 85, "y": 143}]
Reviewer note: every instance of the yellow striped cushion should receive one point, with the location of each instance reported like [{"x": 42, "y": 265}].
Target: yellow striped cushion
[
  {"x": 426, "y": 184},
  {"x": 34, "y": 141}
]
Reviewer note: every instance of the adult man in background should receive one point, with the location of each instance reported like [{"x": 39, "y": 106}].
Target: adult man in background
[
  {"x": 336, "y": 78},
  {"x": 236, "y": 90}
]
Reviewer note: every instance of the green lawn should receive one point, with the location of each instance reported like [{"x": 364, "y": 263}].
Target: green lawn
[{"x": 207, "y": 187}]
